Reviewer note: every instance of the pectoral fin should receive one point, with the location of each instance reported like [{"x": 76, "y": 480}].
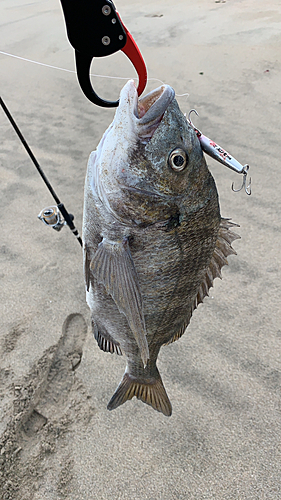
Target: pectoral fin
[{"x": 113, "y": 266}]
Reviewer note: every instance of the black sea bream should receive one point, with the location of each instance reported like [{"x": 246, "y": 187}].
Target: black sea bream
[{"x": 153, "y": 236}]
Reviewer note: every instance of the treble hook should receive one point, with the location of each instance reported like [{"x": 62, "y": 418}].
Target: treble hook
[{"x": 247, "y": 188}]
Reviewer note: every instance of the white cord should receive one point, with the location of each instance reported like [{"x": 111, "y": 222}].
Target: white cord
[{"x": 91, "y": 74}]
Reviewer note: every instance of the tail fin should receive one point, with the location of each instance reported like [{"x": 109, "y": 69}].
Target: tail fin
[{"x": 151, "y": 392}]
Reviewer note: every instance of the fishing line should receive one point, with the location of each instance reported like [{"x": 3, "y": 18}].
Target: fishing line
[{"x": 91, "y": 74}]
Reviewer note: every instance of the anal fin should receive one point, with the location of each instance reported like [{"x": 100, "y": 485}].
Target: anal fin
[
  {"x": 152, "y": 393},
  {"x": 113, "y": 267}
]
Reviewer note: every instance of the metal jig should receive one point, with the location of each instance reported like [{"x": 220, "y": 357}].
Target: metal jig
[{"x": 221, "y": 155}]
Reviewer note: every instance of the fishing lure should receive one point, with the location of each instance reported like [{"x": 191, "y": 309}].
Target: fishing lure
[{"x": 212, "y": 149}]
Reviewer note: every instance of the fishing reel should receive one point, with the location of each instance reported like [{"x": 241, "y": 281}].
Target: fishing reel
[{"x": 51, "y": 216}]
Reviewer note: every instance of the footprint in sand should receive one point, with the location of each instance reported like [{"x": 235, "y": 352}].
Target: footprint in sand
[
  {"x": 61, "y": 377},
  {"x": 49, "y": 403}
]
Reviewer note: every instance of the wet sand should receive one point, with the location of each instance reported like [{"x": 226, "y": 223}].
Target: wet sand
[{"x": 57, "y": 439}]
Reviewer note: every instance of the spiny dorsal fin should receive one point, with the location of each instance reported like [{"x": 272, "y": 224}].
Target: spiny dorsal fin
[
  {"x": 113, "y": 266},
  {"x": 222, "y": 250}
]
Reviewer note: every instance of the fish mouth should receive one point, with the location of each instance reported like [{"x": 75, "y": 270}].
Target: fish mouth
[
  {"x": 147, "y": 111},
  {"x": 155, "y": 103},
  {"x": 151, "y": 109}
]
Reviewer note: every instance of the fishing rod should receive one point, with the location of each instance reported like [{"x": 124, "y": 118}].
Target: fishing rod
[{"x": 55, "y": 216}]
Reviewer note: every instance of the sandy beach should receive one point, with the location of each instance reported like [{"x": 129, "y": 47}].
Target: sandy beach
[{"x": 57, "y": 439}]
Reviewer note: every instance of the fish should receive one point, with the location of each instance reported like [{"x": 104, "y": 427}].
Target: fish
[{"x": 153, "y": 237}]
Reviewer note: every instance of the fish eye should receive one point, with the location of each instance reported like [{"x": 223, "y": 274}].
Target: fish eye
[{"x": 178, "y": 159}]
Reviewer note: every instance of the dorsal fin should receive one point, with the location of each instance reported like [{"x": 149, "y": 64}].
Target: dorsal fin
[{"x": 222, "y": 250}]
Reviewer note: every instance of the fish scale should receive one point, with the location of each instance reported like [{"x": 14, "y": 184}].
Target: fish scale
[{"x": 154, "y": 239}]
